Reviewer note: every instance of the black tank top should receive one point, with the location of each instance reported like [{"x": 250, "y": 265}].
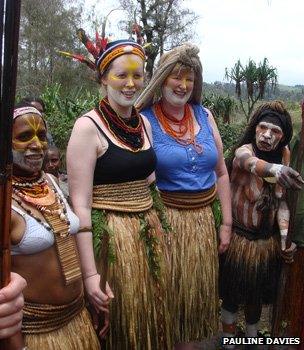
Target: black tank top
[{"x": 119, "y": 165}]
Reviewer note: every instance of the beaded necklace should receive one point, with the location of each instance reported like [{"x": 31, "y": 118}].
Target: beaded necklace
[
  {"x": 57, "y": 221},
  {"x": 184, "y": 125},
  {"x": 129, "y": 131}
]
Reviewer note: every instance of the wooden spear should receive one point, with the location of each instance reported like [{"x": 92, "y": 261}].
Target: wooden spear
[
  {"x": 9, "y": 31},
  {"x": 279, "y": 308}
]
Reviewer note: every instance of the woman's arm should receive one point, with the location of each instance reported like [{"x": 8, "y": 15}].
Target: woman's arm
[
  {"x": 223, "y": 189},
  {"x": 81, "y": 159}
]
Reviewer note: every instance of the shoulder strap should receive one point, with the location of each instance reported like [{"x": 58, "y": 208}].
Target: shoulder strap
[
  {"x": 145, "y": 129},
  {"x": 18, "y": 210},
  {"x": 99, "y": 128}
]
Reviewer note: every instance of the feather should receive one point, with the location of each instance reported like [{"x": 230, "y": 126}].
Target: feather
[
  {"x": 87, "y": 42},
  {"x": 79, "y": 58}
]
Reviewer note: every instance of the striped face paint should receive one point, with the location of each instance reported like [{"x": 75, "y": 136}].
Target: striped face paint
[
  {"x": 268, "y": 136},
  {"x": 29, "y": 129},
  {"x": 29, "y": 144}
]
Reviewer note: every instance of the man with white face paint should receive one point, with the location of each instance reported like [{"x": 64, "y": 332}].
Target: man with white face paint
[{"x": 259, "y": 174}]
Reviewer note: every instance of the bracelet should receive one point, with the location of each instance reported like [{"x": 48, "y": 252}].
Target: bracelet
[
  {"x": 223, "y": 224},
  {"x": 85, "y": 229},
  {"x": 93, "y": 274}
]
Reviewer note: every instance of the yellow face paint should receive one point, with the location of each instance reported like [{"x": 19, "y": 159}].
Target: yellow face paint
[
  {"x": 130, "y": 71},
  {"x": 29, "y": 129}
]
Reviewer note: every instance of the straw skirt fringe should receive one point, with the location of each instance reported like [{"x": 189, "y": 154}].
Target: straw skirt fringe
[
  {"x": 77, "y": 334},
  {"x": 250, "y": 271},
  {"x": 194, "y": 273},
  {"x": 139, "y": 316}
]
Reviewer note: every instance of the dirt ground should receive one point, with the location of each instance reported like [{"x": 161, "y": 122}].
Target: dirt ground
[{"x": 215, "y": 342}]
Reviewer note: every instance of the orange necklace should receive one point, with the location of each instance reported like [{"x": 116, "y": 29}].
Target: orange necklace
[{"x": 185, "y": 125}]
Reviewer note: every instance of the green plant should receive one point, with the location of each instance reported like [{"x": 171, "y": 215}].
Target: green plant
[{"x": 62, "y": 111}]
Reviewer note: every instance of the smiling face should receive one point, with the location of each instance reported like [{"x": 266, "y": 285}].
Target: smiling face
[
  {"x": 178, "y": 87},
  {"x": 124, "y": 80},
  {"x": 29, "y": 144},
  {"x": 268, "y": 136}
]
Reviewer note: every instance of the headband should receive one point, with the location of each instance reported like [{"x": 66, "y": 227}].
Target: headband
[{"x": 25, "y": 110}]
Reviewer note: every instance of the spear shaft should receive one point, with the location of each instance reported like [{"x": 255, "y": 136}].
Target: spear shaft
[
  {"x": 9, "y": 35},
  {"x": 280, "y": 307}
]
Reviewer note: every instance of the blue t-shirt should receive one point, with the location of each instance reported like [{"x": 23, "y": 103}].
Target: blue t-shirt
[{"x": 179, "y": 167}]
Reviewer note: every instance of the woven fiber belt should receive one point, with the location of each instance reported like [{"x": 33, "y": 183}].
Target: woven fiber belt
[
  {"x": 189, "y": 200},
  {"x": 43, "y": 318},
  {"x": 133, "y": 196}
]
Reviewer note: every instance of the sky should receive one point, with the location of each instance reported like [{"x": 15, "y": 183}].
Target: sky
[{"x": 228, "y": 30}]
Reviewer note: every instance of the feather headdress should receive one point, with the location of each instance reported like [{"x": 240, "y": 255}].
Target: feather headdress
[
  {"x": 103, "y": 51},
  {"x": 95, "y": 50}
]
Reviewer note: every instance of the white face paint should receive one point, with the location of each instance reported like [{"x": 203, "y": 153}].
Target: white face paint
[
  {"x": 174, "y": 97},
  {"x": 178, "y": 86},
  {"x": 29, "y": 162},
  {"x": 124, "y": 98},
  {"x": 268, "y": 136}
]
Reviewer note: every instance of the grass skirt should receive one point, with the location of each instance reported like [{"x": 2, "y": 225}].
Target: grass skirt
[
  {"x": 250, "y": 270},
  {"x": 139, "y": 315},
  {"x": 77, "y": 334},
  {"x": 194, "y": 273}
]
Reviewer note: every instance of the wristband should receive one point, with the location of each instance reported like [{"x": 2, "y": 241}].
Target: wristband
[
  {"x": 93, "y": 274},
  {"x": 85, "y": 229}
]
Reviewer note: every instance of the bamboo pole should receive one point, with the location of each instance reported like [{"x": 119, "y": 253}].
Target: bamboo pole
[{"x": 9, "y": 31}]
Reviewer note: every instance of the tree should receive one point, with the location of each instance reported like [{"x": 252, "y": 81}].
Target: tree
[
  {"x": 48, "y": 26},
  {"x": 254, "y": 79},
  {"x": 162, "y": 24}
]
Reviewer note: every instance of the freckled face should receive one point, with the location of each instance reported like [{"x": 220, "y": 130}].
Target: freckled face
[
  {"x": 178, "y": 87},
  {"x": 29, "y": 143},
  {"x": 125, "y": 79},
  {"x": 268, "y": 136}
]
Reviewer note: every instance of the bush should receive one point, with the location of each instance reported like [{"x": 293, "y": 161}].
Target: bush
[
  {"x": 230, "y": 134},
  {"x": 62, "y": 111}
]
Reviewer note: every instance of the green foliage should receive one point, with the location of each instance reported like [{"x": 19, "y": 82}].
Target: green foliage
[
  {"x": 62, "y": 111},
  {"x": 217, "y": 213},
  {"x": 230, "y": 134},
  {"x": 151, "y": 245},
  {"x": 99, "y": 228},
  {"x": 158, "y": 205},
  {"x": 220, "y": 106},
  {"x": 253, "y": 79}
]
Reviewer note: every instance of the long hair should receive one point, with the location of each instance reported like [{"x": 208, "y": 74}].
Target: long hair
[{"x": 278, "y": 108}]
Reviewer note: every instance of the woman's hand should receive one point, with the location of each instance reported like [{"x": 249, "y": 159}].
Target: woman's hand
[
  {"x": 11, "y": 304},
  {"x": 287, "y": 254},
  {"x": 97, "y": 298},
  {"x": 225, "y": 236}
]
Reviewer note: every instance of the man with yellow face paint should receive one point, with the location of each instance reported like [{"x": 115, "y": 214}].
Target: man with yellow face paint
[{"x": 110, "y": 162}]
